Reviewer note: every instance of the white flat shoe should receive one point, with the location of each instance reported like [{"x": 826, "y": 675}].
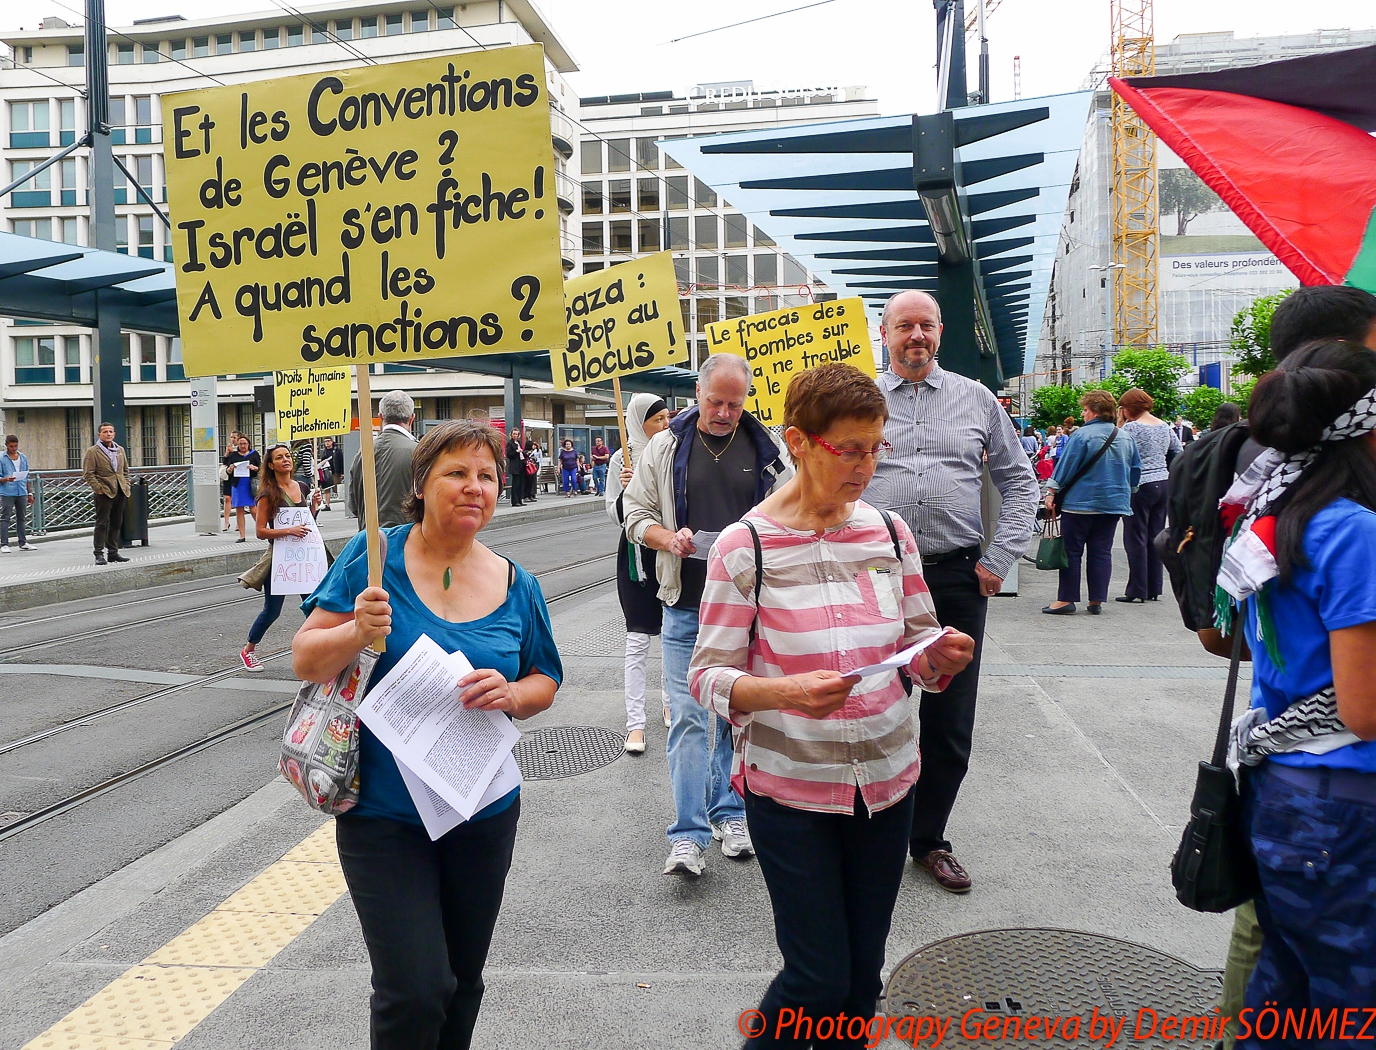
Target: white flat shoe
[
  {"x": 666, "y": 718},
  {"x": 634, "y": 746}
]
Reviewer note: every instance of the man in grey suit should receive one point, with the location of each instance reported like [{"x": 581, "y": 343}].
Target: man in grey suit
[{"x": 392, "y": 455}]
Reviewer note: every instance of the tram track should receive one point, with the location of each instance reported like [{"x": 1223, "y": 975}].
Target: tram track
[{"x": 241, "y": 726}]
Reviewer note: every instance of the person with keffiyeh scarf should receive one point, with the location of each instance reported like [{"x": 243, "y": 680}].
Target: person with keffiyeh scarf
[{"x": 1302, "y": 565}]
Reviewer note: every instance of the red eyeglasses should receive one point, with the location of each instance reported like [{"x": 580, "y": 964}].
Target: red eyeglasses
[{"x": 853, "y": 457}]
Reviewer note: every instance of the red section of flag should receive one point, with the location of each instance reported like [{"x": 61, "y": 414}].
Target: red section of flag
[{"x": 1302, "y": 182}]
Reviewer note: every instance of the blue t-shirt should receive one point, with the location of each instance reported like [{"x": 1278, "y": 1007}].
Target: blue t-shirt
[
  {"x": 1338, "y": 591},
  {"x": 514, "y": 640}
]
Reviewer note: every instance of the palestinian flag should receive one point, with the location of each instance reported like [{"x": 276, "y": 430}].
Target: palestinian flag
[{"x": 1288, "y": 147}]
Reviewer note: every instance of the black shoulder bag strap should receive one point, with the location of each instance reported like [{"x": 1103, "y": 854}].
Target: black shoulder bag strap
[{"x": 1060, "y": 493}]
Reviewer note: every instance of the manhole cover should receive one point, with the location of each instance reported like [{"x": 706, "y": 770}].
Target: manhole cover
[
  {"x": 1008, "y": 977},
  {"x": 566, "y": 751}
]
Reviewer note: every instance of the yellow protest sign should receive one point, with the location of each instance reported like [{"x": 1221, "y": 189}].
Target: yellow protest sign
[
  {"x": 388, "y": 212},
  {"x": 621, "y": 320},
  {"x": 780, "y": 344},
  {"x": 313, "y": 402}
]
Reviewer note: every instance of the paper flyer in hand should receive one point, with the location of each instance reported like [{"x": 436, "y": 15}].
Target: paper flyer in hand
[
  {"x": 902, "y": 658},
  {"x": 438, "y": 815},
  {"x": 702, "y": 544},
  {"x": 417, "y": 714}
]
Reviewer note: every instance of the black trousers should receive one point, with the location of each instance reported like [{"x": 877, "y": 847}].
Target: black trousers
[
  {"x": 1088, "y": 538},
  {"x": 427, "y": 910},
  {"x": 109, "y": 520},
  {"x": 516, "y": 482},
  {"x": 946, "y": 720},
  {"x": 1145, "y": 579},
  {"x": 833, "y": 880}
]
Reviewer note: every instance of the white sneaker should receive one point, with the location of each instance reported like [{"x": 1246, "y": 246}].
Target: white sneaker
[
  {"x": 27, "y": 547},
  {"x": 734, "y": 837},
  {"x": 686, "y": 856},
  {"x": 5, "y": 549}
]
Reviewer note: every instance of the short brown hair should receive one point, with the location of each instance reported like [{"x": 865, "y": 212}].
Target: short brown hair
[
  {"x": 1101, "y": 403},
  {"x": 1136, "y": 401},
  {"x": 820, "y": 396},
  {"x": 449, "y": 435}
]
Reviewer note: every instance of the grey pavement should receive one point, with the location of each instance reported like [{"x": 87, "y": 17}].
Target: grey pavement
[{"x": 1089, "y": 732}]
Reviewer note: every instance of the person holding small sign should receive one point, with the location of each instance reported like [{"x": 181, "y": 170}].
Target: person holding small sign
[
  {"x": 278, "y": 489},
  {"x": 242, "y": 465}
]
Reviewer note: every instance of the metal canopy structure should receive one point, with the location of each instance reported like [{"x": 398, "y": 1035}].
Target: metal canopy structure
[
  {"x": 69, "y": 284},
  {"x": 666, "y": 382},
  {"x": 972, "y": 196}
]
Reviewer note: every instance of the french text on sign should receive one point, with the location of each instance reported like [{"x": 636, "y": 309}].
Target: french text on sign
[{"x": 313, "y": 402}]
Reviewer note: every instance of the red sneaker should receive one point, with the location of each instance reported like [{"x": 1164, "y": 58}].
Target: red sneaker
[{"x": 251, "y": 661}]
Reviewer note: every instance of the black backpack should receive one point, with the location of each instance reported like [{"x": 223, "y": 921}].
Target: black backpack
[{"x": 1191, "y": 545}]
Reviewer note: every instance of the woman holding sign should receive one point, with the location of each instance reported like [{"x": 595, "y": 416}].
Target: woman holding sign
[
  {"x": 805, "y": 595},
  {"x": 242, "y": 465},
  {"x": 428, "y": 908},
  {"x": 278, "y": 489}
]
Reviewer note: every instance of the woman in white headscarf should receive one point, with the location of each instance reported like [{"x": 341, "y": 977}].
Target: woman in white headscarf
[{"x": 636, "y": 586}]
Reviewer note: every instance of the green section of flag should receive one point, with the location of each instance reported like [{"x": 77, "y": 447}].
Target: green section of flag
[{"x": 1363, "y": 272}]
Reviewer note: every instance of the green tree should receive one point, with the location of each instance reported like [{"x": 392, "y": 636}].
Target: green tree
[
  {"x": 1200, "y": 405},
  {"x": 1250, "y": 337},
  {"x": 1184, "y": 194},
  {"x": 1051, "y": 404},
  {"x": 1242, "y": 394},
  {"x": 1156, "y": 370}
]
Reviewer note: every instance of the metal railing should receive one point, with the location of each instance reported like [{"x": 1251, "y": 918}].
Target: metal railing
[{"x": 62, "y": 500}]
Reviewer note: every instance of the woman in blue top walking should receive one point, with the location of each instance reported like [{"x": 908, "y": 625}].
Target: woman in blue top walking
[
  {"x": 1096, "y": 474},
  {"x": 568, "y": 469},
  {"x": 1303, "y": 560},
  {"x": 427, "y": 908}
]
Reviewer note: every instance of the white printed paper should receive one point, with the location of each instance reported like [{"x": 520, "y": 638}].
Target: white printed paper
[
  {"x": 438, "y": 815},
  {"x": 241, "y": 468},
  {"x": 298, "y": 563},
  {"x": 702, "y": 544},
  {"x": 902, "y": 658},
  {"x": 20, "y": 476},
  {"x": 417, "y": 714}
]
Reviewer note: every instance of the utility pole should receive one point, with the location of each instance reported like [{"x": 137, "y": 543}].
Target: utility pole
[
  {"x": 107, "y": 372},
  {"x": 983, "y": 58}
]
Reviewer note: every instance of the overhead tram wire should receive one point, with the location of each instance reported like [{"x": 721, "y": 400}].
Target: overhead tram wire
[
  {"x": 748, "y": 21},
  {"x": 133, "y": 40},
  {"x": 328, "y": 32}
]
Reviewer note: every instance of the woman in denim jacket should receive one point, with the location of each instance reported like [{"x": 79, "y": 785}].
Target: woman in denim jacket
[{"x": 1091, "y": 504}]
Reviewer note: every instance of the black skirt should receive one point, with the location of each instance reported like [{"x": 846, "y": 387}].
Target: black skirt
[{"x": 639, "y": 601}]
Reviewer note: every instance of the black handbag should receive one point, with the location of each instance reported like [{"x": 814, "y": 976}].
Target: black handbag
[{"x": 1214, "y": 869}]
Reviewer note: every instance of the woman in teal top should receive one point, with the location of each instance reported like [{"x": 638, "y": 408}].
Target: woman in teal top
[{"x": 427, "y": 908}]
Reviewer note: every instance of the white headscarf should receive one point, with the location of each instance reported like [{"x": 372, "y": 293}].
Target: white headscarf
[{"x": 635, "y": 423}]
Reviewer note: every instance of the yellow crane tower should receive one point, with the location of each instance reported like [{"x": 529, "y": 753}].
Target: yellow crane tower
[{"x": 1134, "y": 197}]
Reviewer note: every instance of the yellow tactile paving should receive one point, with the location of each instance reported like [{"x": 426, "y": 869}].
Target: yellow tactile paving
[{"x": 152, "y": 1005}]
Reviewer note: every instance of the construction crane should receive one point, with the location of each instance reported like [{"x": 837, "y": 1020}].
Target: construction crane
[
  {"x": 974, "y": 24},
  {"x": 1136, "y": 225}
]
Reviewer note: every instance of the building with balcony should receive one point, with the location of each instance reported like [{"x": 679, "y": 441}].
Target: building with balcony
[{"x": 45, "y": 380}]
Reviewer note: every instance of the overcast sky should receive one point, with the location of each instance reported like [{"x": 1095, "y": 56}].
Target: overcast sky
[{"x": 888, "y": 45}]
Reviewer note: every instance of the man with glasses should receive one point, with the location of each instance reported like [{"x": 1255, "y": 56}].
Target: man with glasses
[{"x": 944, "y": 429}]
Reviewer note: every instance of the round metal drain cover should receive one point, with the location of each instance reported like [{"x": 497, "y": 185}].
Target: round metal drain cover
[
  {"x": 566, "y": 751},
  {"x": 1006, "y": 977}
]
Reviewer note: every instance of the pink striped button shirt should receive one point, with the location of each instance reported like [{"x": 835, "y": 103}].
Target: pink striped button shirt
[{"x": 837, "y": 601}]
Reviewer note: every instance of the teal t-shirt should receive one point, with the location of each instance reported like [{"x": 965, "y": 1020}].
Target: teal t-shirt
[
  {"x": 515, "y": 640},
  {"x": 1338, "y": 590}
]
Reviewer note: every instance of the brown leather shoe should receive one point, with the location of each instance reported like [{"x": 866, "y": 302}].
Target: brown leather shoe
[{"x": 946, "y": 870}]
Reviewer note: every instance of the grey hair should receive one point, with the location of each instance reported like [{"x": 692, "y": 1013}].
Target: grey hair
[
  {"x": 884, "y": 317},
  {"x": 714, "y": 362},
  {"x": 396, "y": 406}
]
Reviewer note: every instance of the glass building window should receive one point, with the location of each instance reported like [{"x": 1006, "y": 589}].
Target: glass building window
[
  {"x": 248, "y": 41},
  {"x": 29, "y": 124},
  {"x": 708, "y": 273},
  {"x": 200, "y": 46},
  {"x": 35, "y": 359},
  {"x": 621, "y": 238},
  {"x": 444, "y": 18},
  {"x": 592, "y": 198},
  {"x": 762, "y": 238},
  {"x": 76, "y": 54},
  {"x": 647, "y": 154},
  {"x": 178, "y": 423},
  {"x": 590, "y": 156},
  {"x": 151, "y": 56},
  {"x": 793, "y": 272},
  {"x": 143, "y": 119},
  {"x": 738, "y": 271},
  {"x": 295, "y": 36},
  {"x": 706, "y": 198},
  {"x": 224, "y": 44},
  {"x": 37, "y": 192},
  {"x": 420, "y": 21},
  {"x": 175, "y": 370},
  {"x": 272, "y": 38},
  {"x": 708, "y": 312},
  {"x": 593, "y": 267},
  {"x": 678, "y": 232},
  {"x": 69, "y": 231},
  {"x": 619, "y": 195},
  {"x": 145, "y": 236},
  {"x": 40, "y": 229},
  {"x": 677, "y": 192},
  {"x": 344, "y": 29},
  {"x": 117, "y": 121},
  {"x": 686, "y": 309},
  {"x": 71, "y": 359},
  {"x": 148, "y": 373},
  {"x": 66, "y": 113},
  {"x": 78, "y": 436},
  {"x": 682, "y": 271},
  {"x": 705, "y": 231},
  {"x": 736, "y": 228},
  {"x": 68, "y": 199},
  {"x": 648, "y": 191},
  {"x": 124, "y": 54},
  {"x": 593, "y": 244},
  {"x": 767, "y": 269},
  {"x": 648, "y": 229},
  {"x": 143, "y": 168},
  {"x": 618, "y": 154},
  {"x": 126, "y": 354},
  {"x": 669, "y": 161},
  {"x": 179, "y": 50},
  {"x": 367, "y": 27},
  {"x": 394, "y": 24},
  {"x": 320, "y": 33},
  {"x": 737, "y": 306}
]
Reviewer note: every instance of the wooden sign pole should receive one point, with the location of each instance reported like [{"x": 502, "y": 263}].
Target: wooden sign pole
[
  {"x": 621, "y": 422},
  {"x": 365, "y": 434}
]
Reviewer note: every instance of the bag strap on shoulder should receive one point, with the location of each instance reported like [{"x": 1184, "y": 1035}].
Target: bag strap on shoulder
[
  {"x": 1060, "y": 493},
  {"x": 1225, "y": 720},
  {"x": 759, "y": 577}
]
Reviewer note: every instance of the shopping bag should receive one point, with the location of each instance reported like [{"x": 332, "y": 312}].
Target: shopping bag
[
  {"x": 320, "y": 743},
  {"x": 1051, "y": 547}
]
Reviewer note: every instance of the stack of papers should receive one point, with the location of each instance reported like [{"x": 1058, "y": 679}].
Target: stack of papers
[{"x": 454, "y": 760}]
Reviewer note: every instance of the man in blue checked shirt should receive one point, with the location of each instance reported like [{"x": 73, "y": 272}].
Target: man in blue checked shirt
[{"x": 16, "y": 495}]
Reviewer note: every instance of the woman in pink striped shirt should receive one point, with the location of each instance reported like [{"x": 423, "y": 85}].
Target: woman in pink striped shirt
[{"x": 824, "y": 759}]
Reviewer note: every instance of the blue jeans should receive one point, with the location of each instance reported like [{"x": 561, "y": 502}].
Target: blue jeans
[
  {"x": 568, "y": 480},
  {"x": 599, "y": 478},
  {"x": 272, "y": 608},
  {"x": 1315, "y": 852},
  {"x": 699, "y": 755}
]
